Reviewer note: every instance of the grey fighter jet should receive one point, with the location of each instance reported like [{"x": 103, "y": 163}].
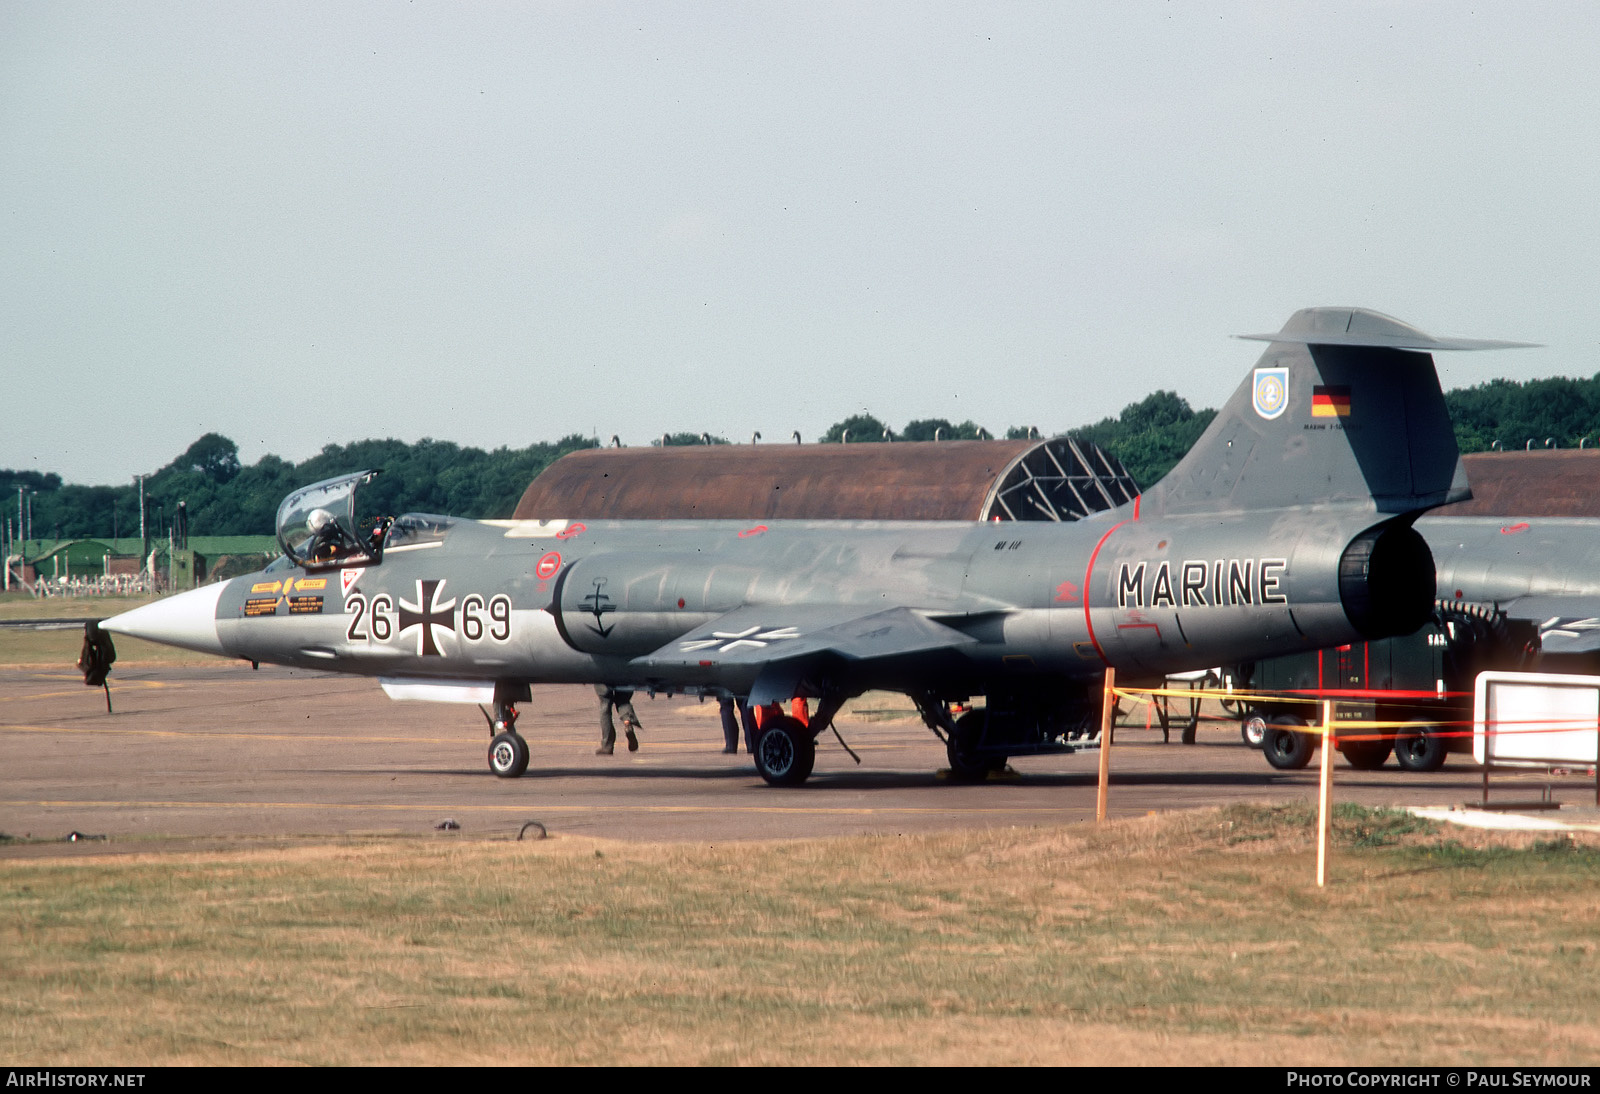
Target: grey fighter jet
[
  {"x": 1287, "y": 527},
  {"x": 1540, "y": 574}
]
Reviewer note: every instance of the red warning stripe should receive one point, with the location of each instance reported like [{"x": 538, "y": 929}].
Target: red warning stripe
[{"x": 1088, "y": 578}]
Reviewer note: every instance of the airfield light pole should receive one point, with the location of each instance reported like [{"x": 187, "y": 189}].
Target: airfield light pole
[
  {"x": 1108, "y": 708},
  {"x": 1325, "y": 794},
  {"x": 140, "y": 479}
]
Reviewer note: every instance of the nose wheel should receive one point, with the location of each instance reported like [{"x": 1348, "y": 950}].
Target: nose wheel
[
  {"x": 508, "y": 755},
  {"x": 508, "y": 752}
]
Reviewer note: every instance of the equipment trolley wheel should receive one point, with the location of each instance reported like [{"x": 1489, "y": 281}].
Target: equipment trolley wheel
[
  {"x": 1417, "y": 749},
  {"x": 1286, "y": 749},
  {"x": 1253, "y": 729}
]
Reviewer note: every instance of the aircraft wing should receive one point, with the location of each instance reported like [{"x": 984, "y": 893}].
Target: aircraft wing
[
  {"x": 1567, "y": 624},
  {"x": 760, "y": 635}
]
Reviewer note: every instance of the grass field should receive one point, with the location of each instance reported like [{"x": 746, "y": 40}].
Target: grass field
[
  {"x": 1194, "y": 938},
  {"x": 24, "y": 646},
  {"x": 22, "y": 606}
]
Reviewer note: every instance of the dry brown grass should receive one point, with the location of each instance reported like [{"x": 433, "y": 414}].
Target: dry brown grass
[
  {"x": 22, "y": 606},
  {"x": 59, "y": 648},
  {"x": 1184, "y": 938}
]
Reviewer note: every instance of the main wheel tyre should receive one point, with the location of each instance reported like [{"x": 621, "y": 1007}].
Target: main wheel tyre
[
  {"x": 1419, "y": 750},
  {"x": 1366, "y": 755},
  {"x": 1253, "y": 729},
  {"x": 967, "y": 764},
  {"x": 785, "y": 752},
  {"x": 1285, "y": 749},
  {"x": 508, "y": 755}
]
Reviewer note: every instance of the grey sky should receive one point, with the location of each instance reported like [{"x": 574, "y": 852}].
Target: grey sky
[{"x": 495, "y": 224}]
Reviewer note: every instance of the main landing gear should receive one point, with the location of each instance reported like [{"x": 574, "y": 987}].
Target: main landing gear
[
  {"x": 981, "y": 741},
  {"x": 508, "y": 751},
  {"x": 969, "y": 762},
  {"x": 786, "y": 751},
  {"x": 786, "y": 745}
]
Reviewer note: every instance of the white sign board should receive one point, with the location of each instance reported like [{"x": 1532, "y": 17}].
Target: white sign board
[{"x": 1535, "y": 718}]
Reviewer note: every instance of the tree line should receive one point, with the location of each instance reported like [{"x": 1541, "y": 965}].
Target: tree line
[{"x": 225, "y": 497}]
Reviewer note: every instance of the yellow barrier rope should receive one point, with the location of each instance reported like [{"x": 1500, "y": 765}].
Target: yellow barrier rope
[{"x": 1342, "y": 727}]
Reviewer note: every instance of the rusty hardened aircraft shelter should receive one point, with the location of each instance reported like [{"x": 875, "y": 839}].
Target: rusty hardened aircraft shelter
[
  {"x": 1554, "y": 482},
  {"x": 1056, "y": 480}
]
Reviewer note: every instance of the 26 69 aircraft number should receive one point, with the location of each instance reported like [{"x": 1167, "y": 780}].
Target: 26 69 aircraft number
[{"x": 477, "y": 618}]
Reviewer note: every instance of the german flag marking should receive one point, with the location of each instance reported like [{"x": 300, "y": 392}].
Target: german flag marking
[{"x": 1330, "y": 402}]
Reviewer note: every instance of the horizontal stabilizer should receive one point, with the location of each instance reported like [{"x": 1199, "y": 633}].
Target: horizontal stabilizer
[{"x": 1362, "y": 327}]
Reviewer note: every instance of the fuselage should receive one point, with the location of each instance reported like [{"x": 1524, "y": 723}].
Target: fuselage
[{"x": 568, "y": 601}]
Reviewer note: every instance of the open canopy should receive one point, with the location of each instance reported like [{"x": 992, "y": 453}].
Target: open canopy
[{"x": 317, "y": 524}]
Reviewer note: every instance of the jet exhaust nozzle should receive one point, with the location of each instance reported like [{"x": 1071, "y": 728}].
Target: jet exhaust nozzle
[{"x": 1386, "y": 581}]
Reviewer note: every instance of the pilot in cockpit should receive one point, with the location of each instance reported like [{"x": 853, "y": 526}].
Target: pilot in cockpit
[{"x": 328, "y": 540}]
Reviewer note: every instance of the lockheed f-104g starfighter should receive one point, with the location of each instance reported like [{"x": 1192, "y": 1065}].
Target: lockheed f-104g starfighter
[{"x": 1287, "y": 527}]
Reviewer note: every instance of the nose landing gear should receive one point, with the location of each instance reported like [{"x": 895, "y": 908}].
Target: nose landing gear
[
  {"x": 508, "y": 755},
  {"x": 508, "y": 751}
]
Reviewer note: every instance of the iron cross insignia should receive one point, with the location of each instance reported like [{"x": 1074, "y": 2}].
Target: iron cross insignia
[{"x": 428, "y": 612}]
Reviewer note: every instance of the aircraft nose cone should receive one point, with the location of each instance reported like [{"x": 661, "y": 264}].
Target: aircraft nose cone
[{"x": 188, "y": 620}]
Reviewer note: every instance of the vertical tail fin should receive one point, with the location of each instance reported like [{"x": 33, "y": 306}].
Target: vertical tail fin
[{"x": 1343, "y": 409}]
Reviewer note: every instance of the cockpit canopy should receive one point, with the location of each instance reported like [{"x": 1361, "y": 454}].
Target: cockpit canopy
[
  {"x": 317, "y": 525},
  {"x": 417, "y": 529}
]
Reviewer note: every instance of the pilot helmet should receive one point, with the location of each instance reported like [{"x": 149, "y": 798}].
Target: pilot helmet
[{"x": 318, "y": 519}]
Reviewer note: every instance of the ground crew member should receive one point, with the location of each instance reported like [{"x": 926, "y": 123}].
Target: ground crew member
[{"x": 622, "y": 701}]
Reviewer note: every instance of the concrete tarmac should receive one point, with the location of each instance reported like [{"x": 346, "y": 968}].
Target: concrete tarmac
[{"x": 215, "y": 755}]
